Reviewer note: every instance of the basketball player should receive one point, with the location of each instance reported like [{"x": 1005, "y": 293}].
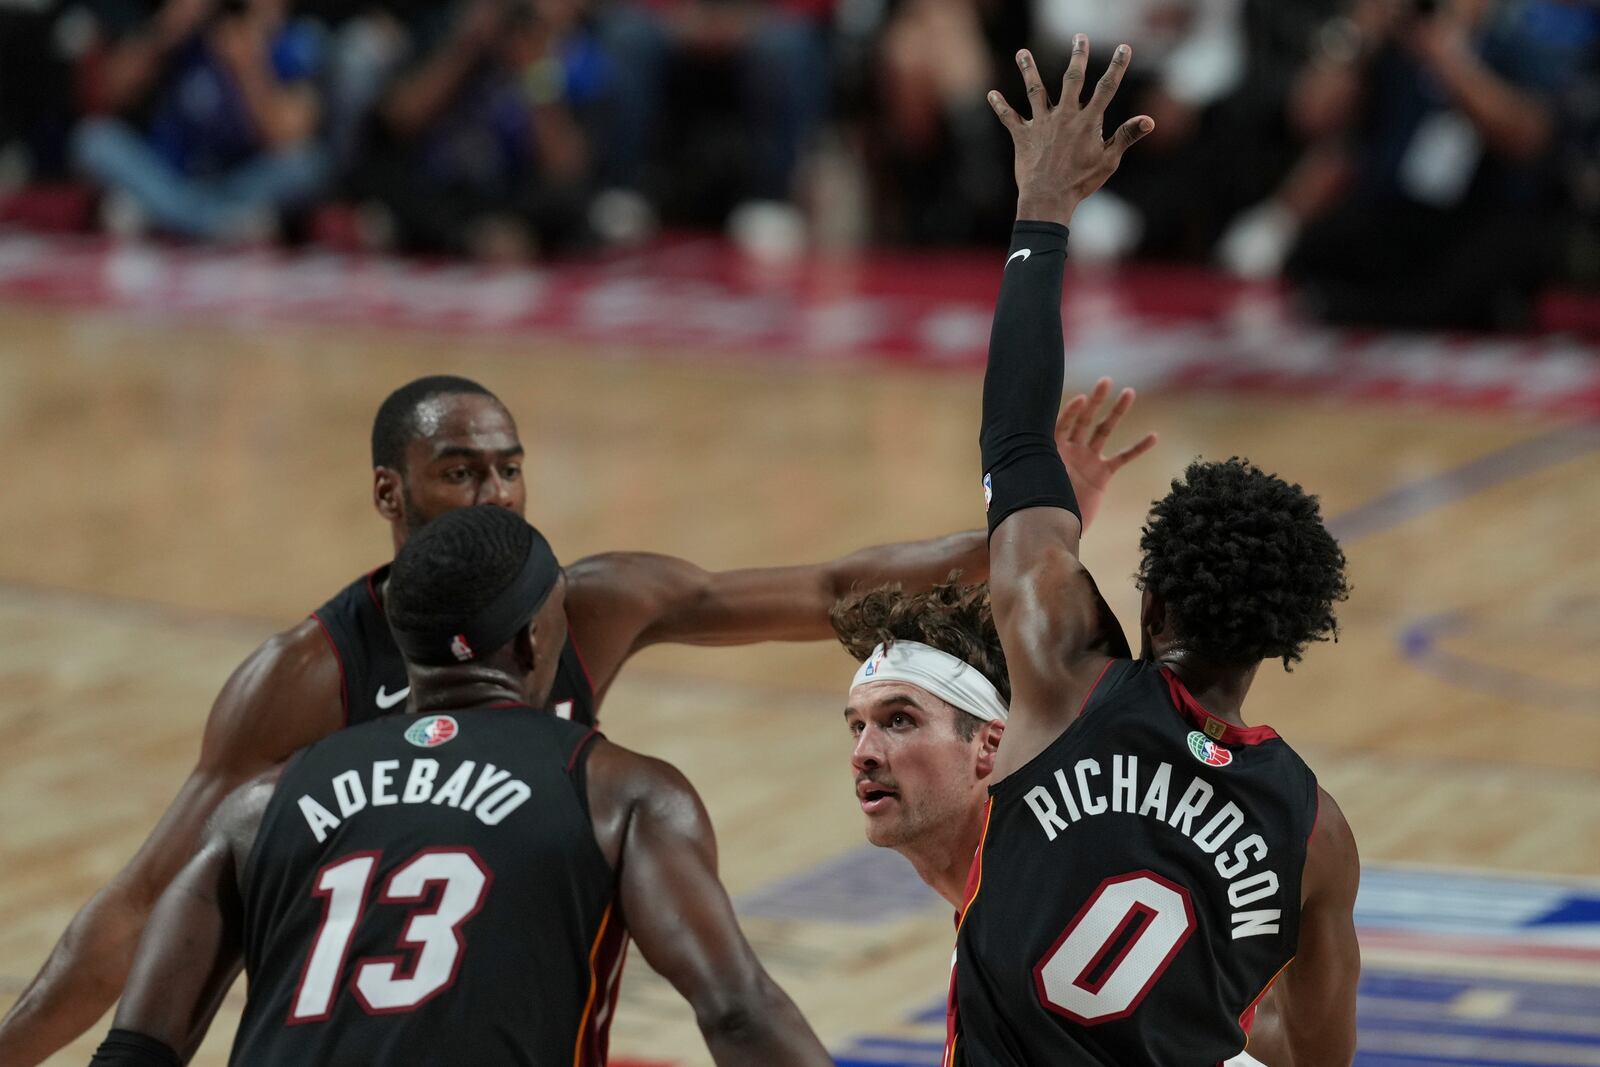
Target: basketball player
[
  {"x": 1150, "y": 865},
  {"x": 453, "y": 885},
  {"x": 928, "y": 706},
  {"x": 438, "y": 444}
]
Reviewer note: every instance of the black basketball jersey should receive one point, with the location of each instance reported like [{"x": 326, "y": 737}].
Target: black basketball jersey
[
  {"x": 1137, "y": 889},
  {"x": 428, "y": 890},
  {"x": 374, "y": 673}
]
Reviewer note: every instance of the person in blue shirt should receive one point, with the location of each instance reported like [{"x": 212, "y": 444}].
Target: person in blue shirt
[{"x": 207, "y": 119}]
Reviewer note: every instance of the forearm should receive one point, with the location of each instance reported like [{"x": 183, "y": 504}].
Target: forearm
[
  {"x": 415, "y": 102},
  {"x": 913, "y": 565},
  {"x": 1022, "y": 385},
  {"x": 282, "y": 116},
  {"x": 771, "y": 1033},
  {"x": 78, "y": 983},
  {"x": 1512, "y": 123}
]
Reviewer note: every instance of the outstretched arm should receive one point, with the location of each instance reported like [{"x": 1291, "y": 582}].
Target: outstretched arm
[
  {"x": 621, "y": 602},
  {"x": 679, "y": 915},
  {"x": 1044, "y": 602},
  {"x": 193, "y": 946},
  {"x": 284, "y": 696}
]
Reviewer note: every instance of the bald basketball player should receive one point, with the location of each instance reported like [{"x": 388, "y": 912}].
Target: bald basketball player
[{"x": 438, "y": 443}]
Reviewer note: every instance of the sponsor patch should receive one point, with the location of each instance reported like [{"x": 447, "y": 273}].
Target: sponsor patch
[
  {"x": 1208, "y": 751},
  {"x": 432, "y": 731}
]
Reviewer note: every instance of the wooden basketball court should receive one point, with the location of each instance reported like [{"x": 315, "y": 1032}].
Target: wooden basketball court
[{"x": 177, "y": 490}]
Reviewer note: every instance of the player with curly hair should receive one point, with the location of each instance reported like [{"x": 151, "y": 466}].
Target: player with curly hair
[{"x": 1149, "y": 866}]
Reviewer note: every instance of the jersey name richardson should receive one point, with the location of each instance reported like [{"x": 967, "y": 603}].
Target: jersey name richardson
[
  {"x": 487, "y": 792},
  {"x": 1083, "y": 794}
]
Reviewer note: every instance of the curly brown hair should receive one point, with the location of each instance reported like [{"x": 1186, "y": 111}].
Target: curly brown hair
[{"x": 951, "y": 617}]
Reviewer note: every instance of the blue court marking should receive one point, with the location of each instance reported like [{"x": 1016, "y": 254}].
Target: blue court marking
[
  {"x": 1518, "y": 460},
  {"x": 1420, "y": 643},
  {"x": 867, "y": 885},
  {"x": 1405, "y": 1017}
]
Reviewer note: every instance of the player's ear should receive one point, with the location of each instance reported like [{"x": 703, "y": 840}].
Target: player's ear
[
  {"x": 525, "y": 646},
  {"x": 387, "y": 493},
  {"x": 988, "y": 746},
  {"x": 1152, "y": 613}
]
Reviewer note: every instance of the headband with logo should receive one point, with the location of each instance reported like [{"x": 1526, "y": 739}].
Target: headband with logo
[{"x": 955, "y": 682}]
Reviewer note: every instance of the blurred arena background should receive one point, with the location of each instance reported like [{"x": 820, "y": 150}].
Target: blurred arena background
[{"x": 730, "y": 263}]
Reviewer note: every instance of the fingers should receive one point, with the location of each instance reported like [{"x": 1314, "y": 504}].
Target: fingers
[
  {"x": 1067, "y": 421},
  {"x": 1108, "y": 426},
  {"x": 1072, "y": 80},
  {"x": 1106, "y": 87},
  {"x": 1083, "y": 409},
  {"x": 1128, "y": 133},
  {"x": 1008, "y": 117},
  {"x": 1038, "y": 101},
  {"x": 1132, "y": 452}
]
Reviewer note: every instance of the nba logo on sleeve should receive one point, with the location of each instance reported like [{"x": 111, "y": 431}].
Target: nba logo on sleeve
[
  {"x": 460, "y": 649},
  {"x": 988, "y": 492}
]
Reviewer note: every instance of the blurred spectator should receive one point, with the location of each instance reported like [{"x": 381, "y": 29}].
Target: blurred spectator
[
  {"x": 203, "y": 116},
  {"x": 760, "y": 67},
  {"x": 480, "y": 145},
  {"x": 941, "y": 164},
  {"x": 1452, "y": 110},
  {"x": 35, "y": 95}
]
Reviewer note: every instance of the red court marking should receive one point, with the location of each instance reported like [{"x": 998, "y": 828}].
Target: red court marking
[{"x": 1153, "y": 326}]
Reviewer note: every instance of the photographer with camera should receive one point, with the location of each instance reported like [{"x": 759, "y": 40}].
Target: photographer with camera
[{"x": 203, "y": 116}]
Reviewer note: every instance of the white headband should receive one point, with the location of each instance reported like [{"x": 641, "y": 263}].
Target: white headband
[{"x": 946, "y": 677}]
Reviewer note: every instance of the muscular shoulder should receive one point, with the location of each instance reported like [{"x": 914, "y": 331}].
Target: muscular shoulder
[
  {"x": 624, "y": 784},
  {"x": 239, "y": 816},
  {"x": 1333, "y": 865},
  {"x": 285, "y": 695}
]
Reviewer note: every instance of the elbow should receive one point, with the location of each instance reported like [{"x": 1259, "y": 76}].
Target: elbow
[{"x": 740, "y": 1016}]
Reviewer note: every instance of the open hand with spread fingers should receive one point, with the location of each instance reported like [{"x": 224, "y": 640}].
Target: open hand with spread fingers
[
  {"x": 1062, "y": 153},
  {"x": 1082, "y": 441}
]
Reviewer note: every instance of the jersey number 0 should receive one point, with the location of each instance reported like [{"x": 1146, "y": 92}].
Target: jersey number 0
[
  {"x": 1115, "y": 948},
  {"x": 383, "y": 984}
]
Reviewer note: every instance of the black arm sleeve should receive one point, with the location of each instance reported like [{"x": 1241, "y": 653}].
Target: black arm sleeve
[
  {"x": 128, "y": 1048},
  {"x": 1022, "y": 387}
]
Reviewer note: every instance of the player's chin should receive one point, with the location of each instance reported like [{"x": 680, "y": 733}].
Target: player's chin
[{"x": 886, "y": 829}]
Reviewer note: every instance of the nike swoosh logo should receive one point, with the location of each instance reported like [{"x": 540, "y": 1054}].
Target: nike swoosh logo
[
  {"x": 1023, "y": 252},
  {"x": 386, "y": 700}
]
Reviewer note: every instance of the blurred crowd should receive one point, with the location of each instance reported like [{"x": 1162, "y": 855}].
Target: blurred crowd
[{"x": 1409, "y": 162}]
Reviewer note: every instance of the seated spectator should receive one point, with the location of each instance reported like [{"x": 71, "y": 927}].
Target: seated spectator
[
  {"x": 203, "y": 118},
  {"x": 1451, "y": 110},
  {"x": 480, "y": 145},
  {"x": 675, "y": 58}
]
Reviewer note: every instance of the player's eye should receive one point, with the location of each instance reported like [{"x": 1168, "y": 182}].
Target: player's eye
[
  {"x": 856, "y": 728},
  {"x": 901, "y": 719},
  {"x": 511, "y": 472},
  {"x": 457, "y": 474}
]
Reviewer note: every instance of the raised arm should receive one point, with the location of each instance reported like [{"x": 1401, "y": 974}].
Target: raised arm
[
  {"x": 1313, "y": 1023},
  {"x": 680, "y": 916},
  {"x": 1044, "y": 601},
  {"x": 284, "y": 696}
]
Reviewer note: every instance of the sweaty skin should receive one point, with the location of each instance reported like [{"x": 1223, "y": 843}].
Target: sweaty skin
[{"x": 286, "y": 694}]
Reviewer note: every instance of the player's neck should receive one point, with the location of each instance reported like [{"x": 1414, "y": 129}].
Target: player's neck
[
  {"x": 462, "y": 689},
  {"x": 944, "y": 860},
  {"x": 1220, "y": 690}
]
